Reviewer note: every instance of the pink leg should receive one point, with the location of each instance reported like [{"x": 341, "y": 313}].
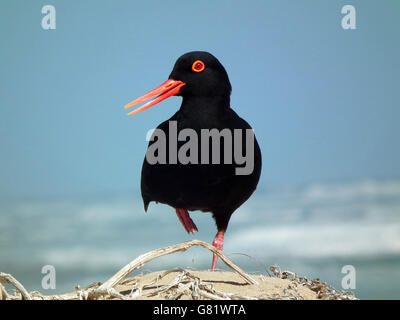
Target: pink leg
[
  {"x": 186, "y": 221},
  {"x": 217, "y": 243}
]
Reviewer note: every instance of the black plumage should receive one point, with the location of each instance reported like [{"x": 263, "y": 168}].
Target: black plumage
[{"x": 215, "y": 188}]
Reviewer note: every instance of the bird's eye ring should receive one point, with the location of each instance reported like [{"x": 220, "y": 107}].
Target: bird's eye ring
[{"x": 198, "y": 66}]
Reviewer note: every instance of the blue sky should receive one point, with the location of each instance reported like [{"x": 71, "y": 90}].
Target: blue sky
[{"x": 324, "y": 102}]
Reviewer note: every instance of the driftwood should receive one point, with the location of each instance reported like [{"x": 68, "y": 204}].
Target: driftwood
[
  {"x": 185, "y": 284},
  {"x": 107, "y": 288},
  {"x": 144, "y": 258},
  {"x": 8, "y": 278}
]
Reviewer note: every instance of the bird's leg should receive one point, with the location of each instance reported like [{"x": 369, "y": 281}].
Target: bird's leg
[
  {"x": 217, "y": 243},
  {"x": 186, "y": 221}
]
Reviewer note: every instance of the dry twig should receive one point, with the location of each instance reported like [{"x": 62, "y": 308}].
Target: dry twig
[
  {"x": 184, "y": 284},
  {"x": 8, "y": 278},
  {"x": 144, "y": 258}
]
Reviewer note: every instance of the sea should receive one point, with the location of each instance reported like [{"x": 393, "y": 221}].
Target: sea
[{"x": 346, "y": 234}]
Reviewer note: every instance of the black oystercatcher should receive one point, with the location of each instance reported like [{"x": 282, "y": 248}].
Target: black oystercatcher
[{"x": 212, "y": 161}]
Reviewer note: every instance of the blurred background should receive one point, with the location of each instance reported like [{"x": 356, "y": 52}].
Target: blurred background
[{"x": 324, "y": 103}]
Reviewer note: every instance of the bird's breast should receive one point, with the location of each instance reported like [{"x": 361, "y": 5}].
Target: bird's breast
[{"x": 197, "y": 163}]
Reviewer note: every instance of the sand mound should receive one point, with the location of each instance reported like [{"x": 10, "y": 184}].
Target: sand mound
[
  {"x": 190, "y": 284},
  {"x": 202, "y": 284}
]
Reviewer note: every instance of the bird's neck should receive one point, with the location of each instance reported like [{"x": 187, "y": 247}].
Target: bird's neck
[{"x": 197, "y": 105}]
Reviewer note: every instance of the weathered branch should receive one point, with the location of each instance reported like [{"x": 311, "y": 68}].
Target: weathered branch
[
  {"x": 8, "y": 278},
  {"x": 146, "y": 257}
]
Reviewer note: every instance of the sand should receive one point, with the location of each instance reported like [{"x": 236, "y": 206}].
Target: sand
[
  {"x": 186, "y": 284},
  {"x": 220, "y": 282}
]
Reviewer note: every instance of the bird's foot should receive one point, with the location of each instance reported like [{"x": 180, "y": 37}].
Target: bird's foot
[
  {"x": 219, "y": 244},
  {"x": 186, "y": 221}
]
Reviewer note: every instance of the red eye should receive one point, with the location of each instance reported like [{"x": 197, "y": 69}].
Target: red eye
[{"x": 198, "y": 66}]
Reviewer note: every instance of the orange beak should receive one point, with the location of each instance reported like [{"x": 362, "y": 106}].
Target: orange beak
[{"x": 167, "y": 89}]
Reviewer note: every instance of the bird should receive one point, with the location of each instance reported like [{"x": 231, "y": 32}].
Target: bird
[{"x": 204, "y": 184}]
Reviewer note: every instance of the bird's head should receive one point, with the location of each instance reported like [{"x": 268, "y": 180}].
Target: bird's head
[{"x": 196, "y": 73}]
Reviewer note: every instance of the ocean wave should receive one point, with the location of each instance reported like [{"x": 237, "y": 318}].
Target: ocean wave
[
  {"x": 359, "y": 218},
  {"x": 322, "y": 241},
  {"x": 352, "y": 190}
]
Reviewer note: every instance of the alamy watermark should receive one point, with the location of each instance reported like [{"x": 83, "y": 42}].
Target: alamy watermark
[
  {"x": 349, "y": 20},
  {"x": 49, "y": 280},
  {"x": 349, "y": 280},
  {"x": 49, "y": 20},
  {"x": 188, "y": 152}
]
